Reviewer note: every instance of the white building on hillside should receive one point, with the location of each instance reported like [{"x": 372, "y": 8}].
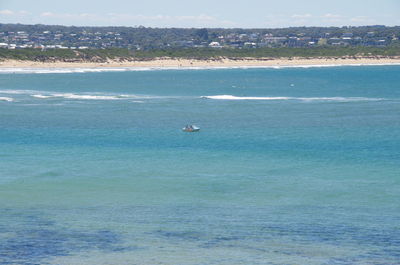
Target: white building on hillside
[{"x": 214, "y": 44}]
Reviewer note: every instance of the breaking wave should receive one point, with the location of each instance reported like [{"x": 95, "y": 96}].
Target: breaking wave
[
  {"x": 96, "y": 96},
  {"x": 40, "y": 96},
  {"x": 24, "y": 70},
  {"x": 64, "y": 70},
  {"x": 26, "y": 94},
  {"x": 9, "y": 95},
  {"x": 93, "y": 97},
  {"x": 98, "y": 70},
  {"x": 306, "y": 99},
  {"x": 8, "y": 99},
  {"x": 16, "y": 92},
  {"x": 230, "y": 97}
]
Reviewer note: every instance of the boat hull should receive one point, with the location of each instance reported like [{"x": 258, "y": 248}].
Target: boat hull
[{"x": 190, "y": 130}]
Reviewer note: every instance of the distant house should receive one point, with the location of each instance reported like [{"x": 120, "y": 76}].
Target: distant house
[
  {"x": 254, "y": 36},
  {"x": 250, "y": 44},
  {"x": 61, "y": 47},
  {"x": 381, "y": 42},
  {"x": 243, "y": 36},
  {"x": 334, "y": 41},
  {"x": 215, "y": 44},
  {"x": 20, "y": 37},
  {"x": 39, "y": 46},
  {"x": 347, "y": 35},
  {"x": 274, "y": 39}
]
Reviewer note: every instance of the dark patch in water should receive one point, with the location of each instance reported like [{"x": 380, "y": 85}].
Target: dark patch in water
[
  {"x": 203, "y": 239},
  {"x": 336, "y": 234},
  {"x": 34, "y": 238},
  {"x": 192, "y": 236},
  {"x": 48, "y": 174},
  {"x": 219, "y": 230},
  {"x": 339, "y": 261},
  {"x": 386, "y": 242},
  {"x": 219, "y": 240}
]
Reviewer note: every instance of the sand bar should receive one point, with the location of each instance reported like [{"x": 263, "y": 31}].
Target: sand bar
[{"x": 187, "y": 63}]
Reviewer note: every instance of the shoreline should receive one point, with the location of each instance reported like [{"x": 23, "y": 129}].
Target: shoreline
[{"x": 211, "y": 63}]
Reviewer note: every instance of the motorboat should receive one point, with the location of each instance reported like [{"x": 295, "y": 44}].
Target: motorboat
[{"x": 190, "y": 128}]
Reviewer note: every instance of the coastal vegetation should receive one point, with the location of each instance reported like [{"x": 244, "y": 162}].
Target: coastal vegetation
[
  {"x": 121, "y": 54},
  {"x": 92, "y": 55},
  {"x": 18, "y": 36},
  {"x": 281, "y": 52}
]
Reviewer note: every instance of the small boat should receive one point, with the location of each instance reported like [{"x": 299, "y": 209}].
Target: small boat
[{"x": 190, "y": 128}]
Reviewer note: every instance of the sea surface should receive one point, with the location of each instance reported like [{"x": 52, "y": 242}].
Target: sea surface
[{"x": 296, "y": 165}]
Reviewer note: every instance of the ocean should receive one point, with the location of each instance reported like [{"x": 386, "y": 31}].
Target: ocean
[{"x": 296, "y": 165}]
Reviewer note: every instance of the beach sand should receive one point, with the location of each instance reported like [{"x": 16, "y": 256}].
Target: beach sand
[{"x": 223, "y": 62}]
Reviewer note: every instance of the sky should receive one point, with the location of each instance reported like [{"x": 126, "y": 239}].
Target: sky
[{"x": 202, "y": 13}]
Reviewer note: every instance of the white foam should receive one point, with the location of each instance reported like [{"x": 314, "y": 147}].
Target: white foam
[
  {"x": 8, "y": 99},
  {"x": 43, "y": 95},
  {"x": 340, "y": 99},
  {"x": 40, "y": 96},
  {"x": 16, "y": 92},
  {"x": 24, "y": 70},
  {"x": 93, "y": 97},
  {"x": 51, "y": 94},
  {"x": 230, "y": 97},
  {"x": 306, "y": 99},
  {"x": 48, "y": 94},
  {"x": 58, "y": 70},
  {"x": 79, "y": 70}
]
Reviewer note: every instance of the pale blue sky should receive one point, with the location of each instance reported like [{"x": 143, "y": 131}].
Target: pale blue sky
[{"x": 202, "y": 13}]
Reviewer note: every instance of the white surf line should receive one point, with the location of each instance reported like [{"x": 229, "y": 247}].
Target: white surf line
[{"x": 166, "y": 68}]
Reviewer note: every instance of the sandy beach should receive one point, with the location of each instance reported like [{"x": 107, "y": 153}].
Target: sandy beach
[{"x": 187, "y": 63}]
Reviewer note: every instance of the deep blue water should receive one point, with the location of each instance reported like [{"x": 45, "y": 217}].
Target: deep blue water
[{"x": 291, "y": 166}]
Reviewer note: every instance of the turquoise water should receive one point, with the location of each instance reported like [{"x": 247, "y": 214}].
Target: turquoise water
[{"x": 291, "y": 166}]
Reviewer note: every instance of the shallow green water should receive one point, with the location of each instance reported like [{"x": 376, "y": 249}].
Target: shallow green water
[{"x": 291, "y": 166}]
